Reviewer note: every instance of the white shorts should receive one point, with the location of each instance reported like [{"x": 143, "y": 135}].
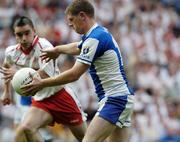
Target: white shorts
[{"x": 117, "y": 110}]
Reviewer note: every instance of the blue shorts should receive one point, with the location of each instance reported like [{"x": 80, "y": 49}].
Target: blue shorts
[{"x": 117, "y": 110}]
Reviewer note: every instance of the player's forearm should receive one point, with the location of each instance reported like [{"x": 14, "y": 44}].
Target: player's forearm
[
  {"x": 6, "y": 84},
  {"x": 70, "y": 49},
  {"x": 7, "y": 87},
  {"x": 63, "y": 78}
]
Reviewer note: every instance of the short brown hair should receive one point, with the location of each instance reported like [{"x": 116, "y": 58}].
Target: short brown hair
[
  {"x": 80, "y": 5},
  {"x": 23, "y": 20}
]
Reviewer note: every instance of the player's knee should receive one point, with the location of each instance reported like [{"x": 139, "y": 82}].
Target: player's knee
[{"x": 25, "y": 128}]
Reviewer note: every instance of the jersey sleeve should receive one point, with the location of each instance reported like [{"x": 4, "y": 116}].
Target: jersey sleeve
[
  {"x": 46, "y": 44},
  {"x": 8, "y": 59},
  {"x": 88, "y": 51},
  {"x": 49, "y": 68}
]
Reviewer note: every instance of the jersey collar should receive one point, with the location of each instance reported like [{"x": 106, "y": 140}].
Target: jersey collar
[
  {"x": 27, "y": 51},
  {"x": 90, "y": 30}
]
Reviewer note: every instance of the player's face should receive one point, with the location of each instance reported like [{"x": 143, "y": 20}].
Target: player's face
[
  {"x": 76, "y": 23},
  {"x": 24, "y": 35}
]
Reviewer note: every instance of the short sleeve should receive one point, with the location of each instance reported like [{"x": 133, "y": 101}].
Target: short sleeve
[
  {"x": 89, "y": 48},
  {"x": 49, "y": 68},
  {"x": 8, "y": 59}
]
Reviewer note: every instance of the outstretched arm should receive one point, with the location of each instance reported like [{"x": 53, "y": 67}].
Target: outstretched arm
[
  {"x": 53, "y": 53},
  {"x": 68, "y": 76}
]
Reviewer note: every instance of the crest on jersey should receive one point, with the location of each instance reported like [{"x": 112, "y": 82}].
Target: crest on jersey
[{"x": 85, "y": 50}]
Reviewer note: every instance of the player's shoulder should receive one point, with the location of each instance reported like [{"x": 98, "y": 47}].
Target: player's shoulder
[
  {"x": 11, "y": 48},
  {"x": 44, "y": 42},
  {"x": 99, "y": 33}
]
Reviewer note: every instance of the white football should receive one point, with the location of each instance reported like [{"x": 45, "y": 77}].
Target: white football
[{"x": 23, "y": 77}]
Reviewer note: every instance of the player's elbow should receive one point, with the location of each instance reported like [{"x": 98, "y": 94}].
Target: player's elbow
[
  {"x": 77, "y": 70},
  {"x": 75, "y": 76}
]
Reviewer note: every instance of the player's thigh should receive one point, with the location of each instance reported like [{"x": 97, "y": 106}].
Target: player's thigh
[
  {"x": 120, "y": 135},
  {"x": 98, "y": 130},
  {"x": 36, "y": 118}
]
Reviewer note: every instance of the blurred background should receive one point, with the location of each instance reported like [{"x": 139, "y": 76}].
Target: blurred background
[{"x": 148, "y": 33}]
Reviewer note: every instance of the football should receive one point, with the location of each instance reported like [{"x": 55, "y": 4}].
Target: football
[{"x": 22, "y": 77}]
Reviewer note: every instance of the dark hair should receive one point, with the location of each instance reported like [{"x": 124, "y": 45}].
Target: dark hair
[
  {"x": 22, "y": 21},
  {"x": 80, "y": 5}
]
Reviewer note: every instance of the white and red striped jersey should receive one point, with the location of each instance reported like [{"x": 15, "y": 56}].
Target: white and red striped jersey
[{"x": 15, "y": 55}]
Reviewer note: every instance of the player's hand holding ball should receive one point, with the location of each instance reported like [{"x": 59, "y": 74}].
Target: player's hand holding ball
[{"x": 23, "y": 77}]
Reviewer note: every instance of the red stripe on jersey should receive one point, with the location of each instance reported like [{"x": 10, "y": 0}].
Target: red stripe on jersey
[
  {"x": 18, "y": 48},
  {"x": 18, "y": 58},
  {"x": 40, "y": 45}
]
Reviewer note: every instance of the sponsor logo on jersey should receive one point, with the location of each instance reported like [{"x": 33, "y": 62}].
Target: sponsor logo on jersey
[{"x": 85, "y": 50}]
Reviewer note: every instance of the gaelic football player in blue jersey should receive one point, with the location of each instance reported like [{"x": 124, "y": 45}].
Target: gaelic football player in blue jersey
[{"x": 99, "y": 53}]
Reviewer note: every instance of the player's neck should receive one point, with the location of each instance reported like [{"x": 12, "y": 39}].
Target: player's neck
[
  {"x": 25, "y": 48},
  {"x": 89, "y": 25}
]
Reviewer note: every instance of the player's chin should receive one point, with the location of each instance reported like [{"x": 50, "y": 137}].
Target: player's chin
[
  {"x": 79, "y": 31},
  {"x": 26, "y": 45}
]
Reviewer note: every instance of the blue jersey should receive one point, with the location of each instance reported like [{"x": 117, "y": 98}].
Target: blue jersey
[{"x": 101, "y": 52}]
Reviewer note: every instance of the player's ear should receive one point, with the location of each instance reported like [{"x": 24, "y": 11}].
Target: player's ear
[
  {"x": 34, "y": 30},
  {"x": 82, "y": 15}
]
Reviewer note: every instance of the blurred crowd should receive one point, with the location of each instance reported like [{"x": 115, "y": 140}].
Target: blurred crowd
[{"x": 148, "y": 34}]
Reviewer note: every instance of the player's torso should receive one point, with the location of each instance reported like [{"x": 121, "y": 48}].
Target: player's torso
[
  {"x": 108, "y": 75},
  {"x": 21, "y": 59},
  {"x": 107, "y": 69},
  {"x": 15, "y": 56}
]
